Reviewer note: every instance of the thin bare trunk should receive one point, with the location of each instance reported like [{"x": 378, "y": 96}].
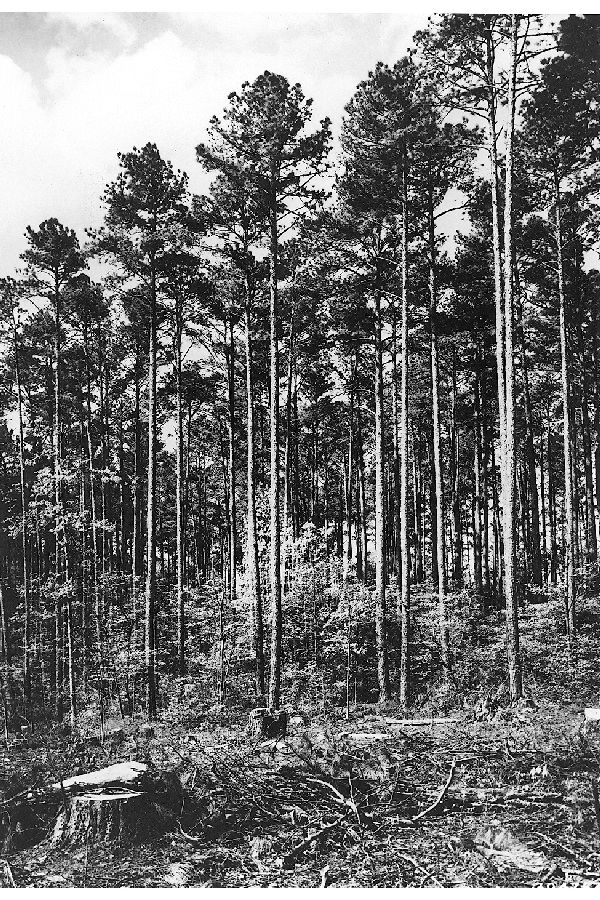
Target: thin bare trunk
[
  {"x": 568, "y": 469},
  {"x": 251, "y": 538},
  {"x": 437, "y": 455},
  {"x": 275, "y": 523},
  {"x": 150, "y": 614},
  {"x": 405, "y": 672},
  {"x": 508, "y": 460}
]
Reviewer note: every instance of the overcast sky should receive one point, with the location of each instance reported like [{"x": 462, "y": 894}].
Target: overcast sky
[{"x": 75, "y": 88}]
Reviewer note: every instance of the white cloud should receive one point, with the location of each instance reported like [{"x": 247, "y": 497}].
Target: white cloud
[
  {"x": 59, "y": 135},
  {"x": 86, "y": 21}
]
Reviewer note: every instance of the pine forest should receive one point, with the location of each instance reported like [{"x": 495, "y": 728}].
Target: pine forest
[{"x": 300, "y": 489}]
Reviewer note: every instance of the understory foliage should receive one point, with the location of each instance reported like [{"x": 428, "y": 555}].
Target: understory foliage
[{"x": 304, "y": 440}]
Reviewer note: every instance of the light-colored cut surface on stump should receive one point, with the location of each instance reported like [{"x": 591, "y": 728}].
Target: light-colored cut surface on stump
[
  {"x": 119, "y": 775},
  {"x": 117, "y": 804}
]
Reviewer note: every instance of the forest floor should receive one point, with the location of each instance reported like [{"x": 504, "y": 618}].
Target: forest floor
[{"x": 479, "y": 794}]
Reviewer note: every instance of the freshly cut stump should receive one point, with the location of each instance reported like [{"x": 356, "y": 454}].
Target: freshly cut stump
[
  {"x": 122, "y": 818},
  {"x": 267, "y": 723},
  {"x": 123, "y": 804}
]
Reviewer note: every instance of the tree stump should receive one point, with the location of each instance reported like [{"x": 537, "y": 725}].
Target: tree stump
[
  {"x": 125, "y": 817},
  {"x": 268, "y": 723},
  {"x": 126, "y": 803}
]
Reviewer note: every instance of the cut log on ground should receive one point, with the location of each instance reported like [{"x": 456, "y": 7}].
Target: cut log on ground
[{"x": 126, "y": 803}]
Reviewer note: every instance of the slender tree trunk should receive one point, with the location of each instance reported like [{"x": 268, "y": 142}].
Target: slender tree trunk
[
  {"x": 58, "y": 705},
  {"x": 251, "y": 538},
  {"x": 347, "y": 499},
  {"x": 596, "y": 382},
  {"x": 98, "y": 612},
  {"x": 477, "y": 504},
  {"x": 405, "y": 662},
  {"x": 568, "y": 469},
  {"x": 362, "y": 493},
  {"x": 150, "y": 616},
  {"x": 418, "y": 504},
  {"x": 486, "y": 511},
  {"x": 179, "y": 491},
  {"x": 71, "y": 651},
  {"x": 383, "y": 676},
  {"x": 591, "y": 542},
  {"x": 25, "y": 570},
  {"x": 396, "y": 446},
  {"x": 275, "y": 525},
  {"x": 231, "y": 471},
  {"x": 437, "y": 455},
  {"x": 493, "y": 160},
  {"x": 508, "y": 461},
  {"x": 536, "y": 551},
  {"x": 287, "y": 463},
  {"x": 457, "y": 569},
  {"x": 543, "y": 506}
]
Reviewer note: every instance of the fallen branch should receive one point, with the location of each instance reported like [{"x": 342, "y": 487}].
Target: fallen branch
[
  {"x": 8, "y": 873},
  {"x": 420, "y": 868},
  {"x": 438, "y": 800},
  {"x": 596, "y": 802},
  {"x": 582, "y": 874},
  {"x": 339, "y": 797},
  {"x": 567, "y": 852},
  {"x": 189, "y": 837},
  {"x": 288, "y": 859},
  {"x": 432, "y": 721}
]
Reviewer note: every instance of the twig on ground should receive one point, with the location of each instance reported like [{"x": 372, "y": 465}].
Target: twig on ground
[
  {"x": 438, "y": 800},
  {"x": 447, "y": 720},
  {"x": 420, "y": 868},
  {"x": 582, "y": 874},
  {"x": 565, "y": 850},
  {"x": 340, "y": 798},
  {"x": 8, "y": 873},
  {"x": 289, "y": 858},
  {"x": 596, "y": 801},
  {"x": 190, "y": 837}
]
